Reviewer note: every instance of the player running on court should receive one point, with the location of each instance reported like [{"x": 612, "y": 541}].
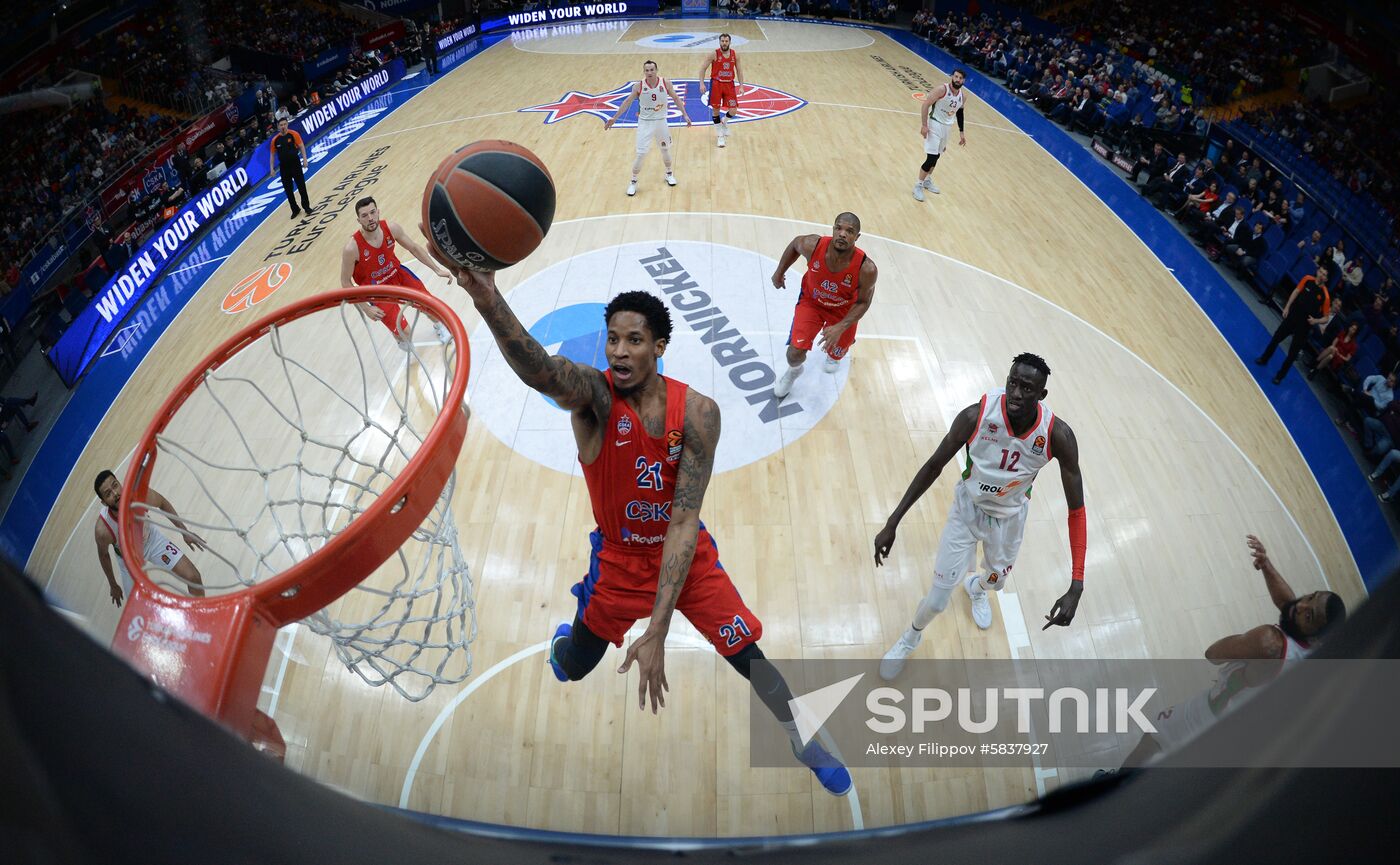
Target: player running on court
[
  {"x": 941, "y": 108},
  {"x": 647, "y": 446},
  {"x": 1008, "y": 437},
  {"x": 722, "y": 70},
  {"x": 651, "y": 94},
  {"x": 837, "y": 289},
  {"x": 371, "y": 257}
]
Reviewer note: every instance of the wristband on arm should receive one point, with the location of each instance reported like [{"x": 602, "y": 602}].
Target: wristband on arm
[{"x": 1078, "y": 542}]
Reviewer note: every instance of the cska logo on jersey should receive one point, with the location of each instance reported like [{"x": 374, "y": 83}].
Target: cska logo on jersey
[
  {"x": 1038, "y": 447},
  {"x": 624, "y": 425},
  {"x": 366, "y": 254},
  {"x": 757, "y": 102}
]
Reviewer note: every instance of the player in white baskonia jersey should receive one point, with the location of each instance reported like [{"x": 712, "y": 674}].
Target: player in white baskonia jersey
[
  {"x": 651, "y": 95},
  {"x": 159, "y": 552},
  {"x": 1247, "y": 661},
  {"x": 1008, "y": 436},
  {"x": 942, "y": 107}
]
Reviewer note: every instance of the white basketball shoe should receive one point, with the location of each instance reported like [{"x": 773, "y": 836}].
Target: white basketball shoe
[
  {"x": 981, "y": 604},
  {"x": 918, "y": 192},
  {"x": 893, "y": 662},
  {"x": 785, "y": 381},
  {"x": 632, "y": 188}
]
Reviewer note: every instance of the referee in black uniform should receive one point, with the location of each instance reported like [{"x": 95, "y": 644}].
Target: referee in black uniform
[{"x": 289, "y": 153}]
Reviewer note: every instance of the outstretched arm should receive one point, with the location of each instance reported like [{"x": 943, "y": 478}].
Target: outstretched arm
[
  {"x": 348, "y": 254},
  {"x": 670, "y": 89},
  {"x": 964, "y": 425},
  {"x": 701, "y": 435},
  {"x": 416, "y": 249},
  {"x": 1257, "y": 644},
  {"x": 1280, "y": 592},
  {"x": 573, "y": 386},
  {"x": 160, "y": 502},
  {"x": 803, "y": 245},
  {"x": 626, "y": 104},
  {"x": 103, "y": 536},
  {"x": 1065, "y": 448}
]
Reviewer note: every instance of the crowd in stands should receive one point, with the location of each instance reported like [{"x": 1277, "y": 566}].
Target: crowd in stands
[
  {"x": 56, "y": 163},
  {"x": 1354, "y": 145},
  {"x": 1235, "y": 204},
  {"x": 1224, "y": 50},
  {"x": 294, "y": 30},
  {"x": 878, "y": 11},
  {"x": 1075, "y": 84}
]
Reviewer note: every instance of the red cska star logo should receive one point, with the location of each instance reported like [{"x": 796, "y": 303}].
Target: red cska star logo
[
  {"x": 574, "y": 102},
  {"x": 756, "y": 102}
]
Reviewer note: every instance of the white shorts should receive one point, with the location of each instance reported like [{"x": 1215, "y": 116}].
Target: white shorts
[
  {"x": 937, "y": 139},
  {"x": 1185, "y": 721},
  {"x": 967, "y": 526},
  {"x": 649, "y": 130},
  {"x": 161, "y": 555}
]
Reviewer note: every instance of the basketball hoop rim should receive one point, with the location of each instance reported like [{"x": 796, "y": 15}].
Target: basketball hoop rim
[{"x": 434, "y": 458}]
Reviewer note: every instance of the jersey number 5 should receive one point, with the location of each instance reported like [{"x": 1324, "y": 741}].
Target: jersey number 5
[{"x": 648, "y": 475}]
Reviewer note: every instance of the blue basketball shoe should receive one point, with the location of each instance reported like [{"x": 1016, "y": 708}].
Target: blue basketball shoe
[
  {"x": 563, "y": 631},
  {"x": 829, "y": 770}
]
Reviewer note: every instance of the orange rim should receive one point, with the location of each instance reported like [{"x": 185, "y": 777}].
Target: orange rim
[{"x": 367, "y": 541}]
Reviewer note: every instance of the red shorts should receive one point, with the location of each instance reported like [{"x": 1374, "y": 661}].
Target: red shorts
[
  {"x": 620, "y": 588},
  {"x": 394, "y": 319},
  {"x": 722, "y": 95},
  {"x": 809, "y": 318}
]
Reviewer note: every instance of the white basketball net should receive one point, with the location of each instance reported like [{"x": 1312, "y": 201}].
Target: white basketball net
[{"x": 283, "y": 446}]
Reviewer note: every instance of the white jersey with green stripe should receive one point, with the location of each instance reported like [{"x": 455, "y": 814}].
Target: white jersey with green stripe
[{"x": 1001, "y": 466}]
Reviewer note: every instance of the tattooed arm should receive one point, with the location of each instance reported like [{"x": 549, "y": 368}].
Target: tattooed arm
[
  {"x": 576, "y": 388},
  {"x": 702, "y": 424}
]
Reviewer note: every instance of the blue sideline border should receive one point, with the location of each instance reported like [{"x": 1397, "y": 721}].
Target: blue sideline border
[
  {"x": 1341, "y": 479},
  {"x": 53, "y": 464},
  {"x": 1342, "y": 482}
]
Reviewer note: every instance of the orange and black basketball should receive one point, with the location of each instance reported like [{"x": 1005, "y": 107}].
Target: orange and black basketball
[{"x": 489, "y": 205}]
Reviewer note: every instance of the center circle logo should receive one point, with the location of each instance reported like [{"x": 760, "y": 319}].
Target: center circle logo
[
  {"x": 688, "y": 41},
  {"x": 728, "y": 340}
]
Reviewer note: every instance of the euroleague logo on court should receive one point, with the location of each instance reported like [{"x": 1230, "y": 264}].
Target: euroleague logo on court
[
  {"x": 256, "y": 287},
  {"x": 756, "y": 102},
  {"x": 728, "y": 341}
]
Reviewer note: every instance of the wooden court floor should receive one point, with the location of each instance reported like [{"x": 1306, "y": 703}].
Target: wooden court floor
[{"x": 1182, "y": 455}]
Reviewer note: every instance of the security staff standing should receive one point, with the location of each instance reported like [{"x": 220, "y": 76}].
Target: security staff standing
[{"x": 290, "y": 155}]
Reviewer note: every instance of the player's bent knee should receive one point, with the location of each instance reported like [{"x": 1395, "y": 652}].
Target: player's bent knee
[
  {"x": 931, "y": 159},
  {"x": 742, "y": 660},
  {"x": 581, "y": 653},
  {"x": 715, "y": 118}
]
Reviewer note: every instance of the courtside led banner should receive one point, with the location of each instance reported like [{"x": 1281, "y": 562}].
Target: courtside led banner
[
  {"x": 82, "y": 342},
  {"x": 455, "y": 38},
  {"x": 571, "y": 12}
]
